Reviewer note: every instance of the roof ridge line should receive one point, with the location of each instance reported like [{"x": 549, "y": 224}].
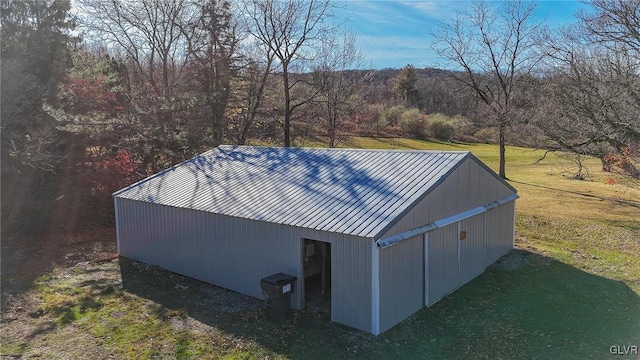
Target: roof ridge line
[{"x": 349, "y": 149}]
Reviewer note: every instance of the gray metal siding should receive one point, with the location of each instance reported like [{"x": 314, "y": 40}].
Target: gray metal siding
[
  {"x": 236, "y": 253},
  {"x": 443, "y": 262},
  {"x": 401, "y": 281},
  {"x": 472, "y": 248},
  {"x": 351, "y": 282},
  {"x": 500, "y": 226},
  {"x": 467, "y": 187},
  {"x": 206, "y": 246}
]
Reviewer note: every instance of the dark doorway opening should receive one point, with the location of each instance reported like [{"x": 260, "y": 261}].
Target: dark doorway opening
[{"x": 316, "y": 260}]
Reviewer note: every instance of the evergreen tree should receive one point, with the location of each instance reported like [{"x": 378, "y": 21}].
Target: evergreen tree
[
  {"x": 405, "y": 85},
  {"x": 34, "y": 38}
]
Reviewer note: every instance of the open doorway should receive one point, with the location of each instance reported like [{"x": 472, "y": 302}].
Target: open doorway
[{"x": 316, "y": 262}]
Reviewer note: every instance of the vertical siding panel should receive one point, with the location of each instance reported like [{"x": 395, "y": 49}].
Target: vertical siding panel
[
  {"x": 154, "y": 225},
  {"x": 435, "y": 201},
  {"x": 133, "y": 224},
  {"x": 474, "y": 193},
  {"x": 141, "y": 217},
  {"x": 463, "y": 201},
  {"x": 443, "y": 262},
  {"x": 145, "y": 231},
  {"x": 120, "y": 220},
  {"x": 121, "y": 213},
  {"x": 163, "y": 234},
  {"x": 489, "y": 187},
  {"x": 482, "y": 187},
  {"x": 401, "y": 281},
  {"x": 450, "y": 195},
  {"x": 175, "y": 256},
  {"x": 235, "y": 253},
  {"x": 190, "y": 243},
  {"x": 140, "y": 230},
  {"x": 194, "y": 240},
  {"x": 472, "y": 248},
  {"x": 351, "y": 281},
  {"x": 500, "y": 232}
]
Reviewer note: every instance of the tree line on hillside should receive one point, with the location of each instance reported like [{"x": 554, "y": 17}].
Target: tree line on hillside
[{"x": 97, "y": 98}]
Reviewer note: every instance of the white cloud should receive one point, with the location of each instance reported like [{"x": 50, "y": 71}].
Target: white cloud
[{"x": 426, "y": 7}]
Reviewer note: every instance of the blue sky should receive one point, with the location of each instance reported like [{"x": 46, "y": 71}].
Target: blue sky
[{"x": 396, "y": 33}]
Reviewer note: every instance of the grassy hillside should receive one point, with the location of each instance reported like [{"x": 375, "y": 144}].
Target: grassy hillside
[{"x": 571, "y": 290}]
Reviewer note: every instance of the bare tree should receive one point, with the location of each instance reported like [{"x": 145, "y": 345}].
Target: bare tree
[
  {"x": 247, "y": 95},
  {"x": 290, "y": 29},
  {"x": 594, "y": 84},
  {"x": 613, "y": 23},
  {"x": 146, "y": 37},
  {"x": 496, "y": 50},
  {"x": 180, "y": 56},
  {"x": 591, "y": 107},
  {"x": 339, "y": 87},
  {"x": 212, "y": 41}
]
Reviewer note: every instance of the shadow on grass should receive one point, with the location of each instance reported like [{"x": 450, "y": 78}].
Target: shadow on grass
[
  {"x": 633, "y": 225},
  {"x": 603, "y": 198},
  {"x": 71, "y": 311},
  {"x": 525, "y": 306},
  {"x": 24, "y": 259}
]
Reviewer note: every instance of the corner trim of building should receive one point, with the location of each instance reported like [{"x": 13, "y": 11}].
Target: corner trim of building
[
  {"x": 375, "y": 289},
  {"x": 425, "y": 240},
  {"x": 115, "y": 206}
]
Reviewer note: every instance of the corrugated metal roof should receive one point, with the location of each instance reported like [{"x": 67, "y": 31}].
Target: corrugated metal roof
[{"x": 356, "y": 192}]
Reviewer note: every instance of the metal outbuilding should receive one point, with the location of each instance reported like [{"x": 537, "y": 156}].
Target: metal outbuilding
[{"x": 390, "y": 231}]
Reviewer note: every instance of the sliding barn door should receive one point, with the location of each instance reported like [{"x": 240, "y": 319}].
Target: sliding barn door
[
  {"x": 443, "y": 262},
  {"x": 471, "y": 240}
]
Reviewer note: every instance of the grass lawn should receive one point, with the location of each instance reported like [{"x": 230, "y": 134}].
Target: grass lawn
[{"x": 571, "y": 290}]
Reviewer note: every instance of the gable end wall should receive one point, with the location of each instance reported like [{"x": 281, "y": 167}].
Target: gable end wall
[{"x": 467, "y": 187}]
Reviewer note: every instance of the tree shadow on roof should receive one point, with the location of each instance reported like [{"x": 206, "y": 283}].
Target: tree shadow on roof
[{"x": 283, "y": 185}]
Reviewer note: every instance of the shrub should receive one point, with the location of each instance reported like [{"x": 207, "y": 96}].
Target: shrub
[
  {"x": 99, "y": 178},
  {"x": 442, "y": 128},
  {"x": 447, "y": 128},
  {"x": 393, "y": 115},
  {"x": 623, "y": 161},
  {"x": 413, "y": 124},
  {"x": 381, "y": 123}
]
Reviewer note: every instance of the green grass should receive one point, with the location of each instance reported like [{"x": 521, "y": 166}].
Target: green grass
[{"x": 574, "y": 292}]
